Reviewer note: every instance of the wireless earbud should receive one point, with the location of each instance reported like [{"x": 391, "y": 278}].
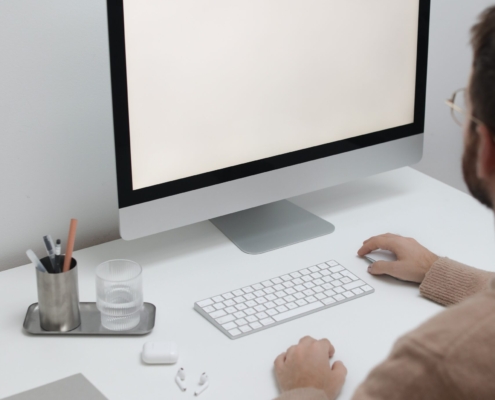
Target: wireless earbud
[
  {"x": 203, "y": 384},
  {"x": 180, "y": 378}
]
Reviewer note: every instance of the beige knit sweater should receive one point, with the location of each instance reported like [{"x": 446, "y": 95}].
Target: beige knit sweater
[{"x": 450, "y": 357}]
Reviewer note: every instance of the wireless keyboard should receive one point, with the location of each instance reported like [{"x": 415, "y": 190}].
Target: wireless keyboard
[{"x": 281, "y": 299}]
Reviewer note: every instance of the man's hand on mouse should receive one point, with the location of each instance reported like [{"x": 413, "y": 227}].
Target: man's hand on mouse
[
  {"x": 307, "y": 365},
  {"x": 413, "y": 260}
]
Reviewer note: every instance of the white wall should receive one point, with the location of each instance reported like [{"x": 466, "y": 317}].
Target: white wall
[{"x": 56, "y": 143}]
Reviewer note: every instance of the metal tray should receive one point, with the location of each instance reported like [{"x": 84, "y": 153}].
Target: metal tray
[{"x": 91, "y": 322}]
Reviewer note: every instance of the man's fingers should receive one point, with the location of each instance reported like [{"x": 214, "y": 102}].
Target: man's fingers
[
  {"x": 339, "y": 371},
  {"x": 385, "y": 268},
  {"x": 307, "y": 340},
  {"x": 279, "y": 361},
  {"x": 290, "y": 351},
  {"x": 383, "y": 242},
  {"x": 328, "y": 347}
]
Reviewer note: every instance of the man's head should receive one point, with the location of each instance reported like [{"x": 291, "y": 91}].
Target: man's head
[{"x": 479, "y": 151}]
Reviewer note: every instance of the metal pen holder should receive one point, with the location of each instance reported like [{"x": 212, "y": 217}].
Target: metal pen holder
[{"x": 58, "y": 298}]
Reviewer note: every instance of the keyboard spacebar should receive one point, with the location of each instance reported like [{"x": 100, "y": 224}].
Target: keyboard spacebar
[{"x": 298, "y": 311}]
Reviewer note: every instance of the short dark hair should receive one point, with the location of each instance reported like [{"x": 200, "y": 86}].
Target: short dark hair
[{"x": 482, "y": 87}]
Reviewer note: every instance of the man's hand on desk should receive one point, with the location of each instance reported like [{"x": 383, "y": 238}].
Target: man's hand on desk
[
  {"x": 306, "y": 365},
  {"x": 413, "y": 260}
]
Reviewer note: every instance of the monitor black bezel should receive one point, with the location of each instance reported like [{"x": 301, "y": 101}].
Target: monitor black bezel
[{"x": 129, "y": 197}]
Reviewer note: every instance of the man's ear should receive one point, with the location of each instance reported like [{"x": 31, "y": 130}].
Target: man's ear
[{"x": 486, "y": 153}]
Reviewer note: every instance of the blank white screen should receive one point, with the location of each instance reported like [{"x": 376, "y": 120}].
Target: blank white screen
[{"x": 217, "y": 83}]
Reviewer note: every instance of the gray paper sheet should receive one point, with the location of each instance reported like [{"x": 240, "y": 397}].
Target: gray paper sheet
[{"x": 75, "y": 387}]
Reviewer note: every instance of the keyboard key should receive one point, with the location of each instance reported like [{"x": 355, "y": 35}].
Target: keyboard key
[
  {"x": 204, "y": 303},
  {"x": 299, "y": 288},
  {"x": 301, "y": 302},
  {"x": 235, "y": 332},
  {"x": 259, "y": 293},
  {"x": 282, "y": 309},
  {"x": 239, "y": 314},
  {"x": 229, "y": 326},
  {"x": 279, "y": 302},
  {"x": 318, "y": 282},
  {"x": 255, "y": 325},
  {"x": 279, "y": 287},
  {"x": 241, "y": 322},
  {"x": 251, "y": 318},
  {"x": 261, "y": 315},
  {"x": 218, "y": 314},
  {"x": 270, "y": 297},
  {"x": 224, "y": 320},
  {"x": 310, "y": 299},
  {"x": 299, "y": 295},
  {"x": 245, "y": 328},
  {"x": 267, "y": 321},
  {"x": 286, "y": 278},
  {"x": 267, "y": 283},
  {"x": 227, "y": 296},
  {"x": 219, "y": 306},
  {"x": 327, "y": 286},
  {"x": 230, "y": 310},
  {"x": 305, "y": 271},
  {"x": 353, "y": 285},
  {"x": 357, "y": 291},
  {"x": 281, "y": 294},
  {"x": 217, "y": 299},
  {"x": 308, "y": 292},
  {"x": 289, "y": 298},
  {"x": 337, "y": 282},
  {"x": 250, "y": 311},
  {"x": 276, "y": 280},
  {"x": 325, "y": 272},
  {"x": 209, "y": 309},
  {"x": 322, "y": 266},
  {"x": 288, "y": 284},
  {"x": 271, "y": 312},
  {"x": 238, "y": 292},
  {"x": 338, "y": 297},
  {"x": 348, "y": 294},
  {"x": 309, "y": 285},
  {"x": 320, "y": 296},
  {"x": 338, "y": 268},
  {"x": 314, "y": 268},
  {"x": 297, "y": 281},
  {"x": 291, "y": 305},
  {"x": 260, "y": 308},
  {"x": 349, "y": 275},
  {"x": 307, "y": 278},
  {"x": 248, "y": 289},
  {"x": 318, "y": 289},
  {"x": 249, "y": 296},
  {"x": 239, "y": 299},
  {"x": 257, "y": 286},
  {"x": 327, "y": 279},
  {"x": 296, "y": 275},
  {"x": 261, "y": 300},
  {"x": 229, "y": 303},
  {"x": 316, "y": 275},
  {"x": 332, "y": 263},
  {"x": 270, "y": 304},
  {"x": 329, "y": 292},
  {"x": 290, "y": 291},
  {"x": 328, "y": 301},
  {"x": 251, "y": 303},
  {"x": 241, "y": 306},
  {"x": 346, "y": 279},
  {"x": 367, "y": 288},
  {"x": 337, "y": 276},
  {"x": 269, "y": 290},
  {"x": 339, "y": 290},
  {"x": 298, "y": 311}
]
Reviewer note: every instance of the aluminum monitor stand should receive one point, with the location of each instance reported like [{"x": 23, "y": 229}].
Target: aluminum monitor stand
[{"x": 271, "y": 226}]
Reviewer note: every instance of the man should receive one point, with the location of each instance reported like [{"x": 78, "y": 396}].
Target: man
[{"x": 452, "y": 356}]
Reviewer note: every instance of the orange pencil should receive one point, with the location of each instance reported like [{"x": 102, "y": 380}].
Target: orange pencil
[{"x": 70, "y": 245}]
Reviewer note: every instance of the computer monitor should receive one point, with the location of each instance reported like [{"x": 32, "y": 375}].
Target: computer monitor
[{"x": 224, "y": 108}]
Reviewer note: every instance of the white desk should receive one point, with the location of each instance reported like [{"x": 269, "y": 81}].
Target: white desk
[{"x": 197, "y": 261}]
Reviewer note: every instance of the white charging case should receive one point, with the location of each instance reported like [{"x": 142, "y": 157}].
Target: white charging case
[{"x": 160, "y": 353}]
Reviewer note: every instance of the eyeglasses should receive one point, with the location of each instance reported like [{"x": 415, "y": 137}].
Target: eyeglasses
[{"x": 458, "y": 103}]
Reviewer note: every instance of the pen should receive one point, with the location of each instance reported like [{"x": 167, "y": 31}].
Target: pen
[
  {"x": 50, "y": 251},
  {"x": 35, "y": 260},
  {"x": 58, "y": 250},
  {"x": 70, "y": 245}
]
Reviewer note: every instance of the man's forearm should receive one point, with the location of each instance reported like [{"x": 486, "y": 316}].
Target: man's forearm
[{"x": 303, "y": 394}]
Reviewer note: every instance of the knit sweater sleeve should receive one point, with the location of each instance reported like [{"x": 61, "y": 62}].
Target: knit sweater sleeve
[
  {"x": 449, "y": 282},
  {"x": 303, "y": 394}
]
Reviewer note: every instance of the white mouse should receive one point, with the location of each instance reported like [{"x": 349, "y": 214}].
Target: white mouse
[{"x": 380, "y": 255}]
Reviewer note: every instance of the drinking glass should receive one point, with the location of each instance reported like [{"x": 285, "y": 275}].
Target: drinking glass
[{"x": 119, "y": 294}]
